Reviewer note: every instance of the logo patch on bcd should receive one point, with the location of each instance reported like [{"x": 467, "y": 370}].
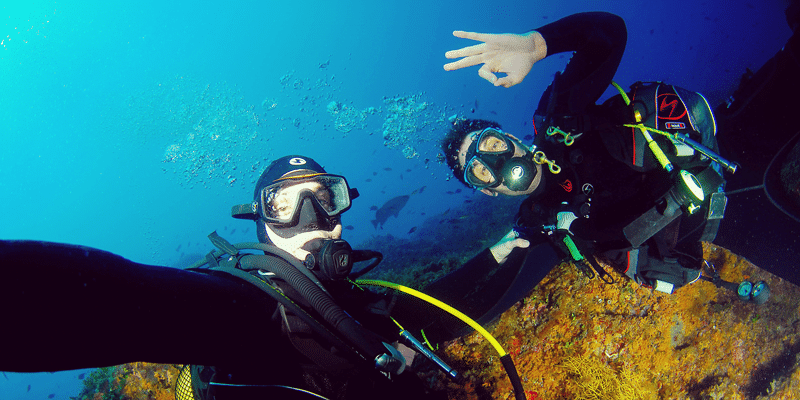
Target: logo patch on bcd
[
  {"x": 671, "y": 112},
  {"x": 670, "y": 107},
  {"x": 675, "y": 125},
  {"x": 297, "y": 161}
]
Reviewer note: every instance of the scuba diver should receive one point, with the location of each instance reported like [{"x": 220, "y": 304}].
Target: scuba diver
[
  {"x": 286, "y": 323},
  {"x": 637, "y": 179}
]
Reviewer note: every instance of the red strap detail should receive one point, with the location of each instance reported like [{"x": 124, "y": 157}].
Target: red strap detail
[
  {"x": 567, "y": 185},
  {"x": 628, "y": 267}
]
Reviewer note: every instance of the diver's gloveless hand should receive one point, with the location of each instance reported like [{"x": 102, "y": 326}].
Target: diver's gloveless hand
[
  {"x": 507, "y": 53},
  {"x": 509, "y": 242}
]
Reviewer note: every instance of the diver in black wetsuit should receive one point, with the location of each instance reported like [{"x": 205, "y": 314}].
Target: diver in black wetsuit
[
  {"x": 637, "y": 179},
  {"x": 267, "y": 328}
]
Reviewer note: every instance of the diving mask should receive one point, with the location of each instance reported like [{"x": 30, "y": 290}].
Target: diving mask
[
  {"x": 281, "y": 202},
  {"x": 491, "y": 162}
]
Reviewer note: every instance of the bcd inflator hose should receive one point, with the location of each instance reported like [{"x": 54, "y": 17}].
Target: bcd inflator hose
[{"x": 505, "y": 358}]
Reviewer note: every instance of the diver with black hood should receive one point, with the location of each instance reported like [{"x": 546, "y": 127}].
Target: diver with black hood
[
  {"x": 287, "y": 323},
  {"x": 637, "y": 179}
]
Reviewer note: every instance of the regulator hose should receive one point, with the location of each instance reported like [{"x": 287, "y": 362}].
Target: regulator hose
[
  {"x": 321, "y": 302},
  {"x": 365, "y": 344},
  {"x": 505, "y": 358}
]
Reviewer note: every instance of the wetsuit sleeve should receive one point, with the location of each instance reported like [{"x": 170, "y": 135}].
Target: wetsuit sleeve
[
  {"x": 68, "y": 307},
  {"x": 598, "y": 40},
  {"x": 481, "y": 288},
  {"x": 461, "y": 289},
  {"x": 455, "y": 287}
]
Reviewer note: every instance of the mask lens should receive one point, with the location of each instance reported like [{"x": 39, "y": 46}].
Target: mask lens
[
  {"x": 281, "y": 201},
  {"x": 277, "y": 205},
  {"x": 478, "y": 174},
  {"x": 334, "y": 196},
  {"x": 492, "y": 141}
]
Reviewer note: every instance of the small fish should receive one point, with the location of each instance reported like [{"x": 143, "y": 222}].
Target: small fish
[
  {"x": 450, "y": 192},
  {"x": 401, "y": 177},
  {"x": 412, "y": 230},
  {"x": 422, "y": 188},
  {"x": 493, "y": 112},
  {"x": 458, "y": 190},
  {"x": 373, "y": 208},
  {"x": 369, "y": 179},
  {"x": 4, "y": 375},
  {"x": 467, "y": 201},
  {"x": 29, "y": 388},
  {"x": 387, "y": 169},
  {"x": 374, "y": 173},
  {"x": 179, "y": 248},
  {"x": 349, "y": 227},
  {"x": 476, "y": 104},
  {"x": 325, "y": 64},
  {"x": 51, "y": 395},
  {"x": 408, "y": 170},
  {"x": 233, "y": 231},
  {"x": 81, "y": 376}
]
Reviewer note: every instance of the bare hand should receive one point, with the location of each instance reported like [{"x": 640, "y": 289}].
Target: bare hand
[{"x": 507, "y": 53}]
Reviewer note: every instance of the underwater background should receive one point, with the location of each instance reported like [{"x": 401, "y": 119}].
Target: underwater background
[{"x": 134, "y": 127}]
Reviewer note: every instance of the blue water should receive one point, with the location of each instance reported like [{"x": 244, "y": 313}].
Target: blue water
[{"x": 135, "y": 128}]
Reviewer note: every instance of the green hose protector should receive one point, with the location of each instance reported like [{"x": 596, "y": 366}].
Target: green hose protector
[{"x": 573, "y": 249}]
